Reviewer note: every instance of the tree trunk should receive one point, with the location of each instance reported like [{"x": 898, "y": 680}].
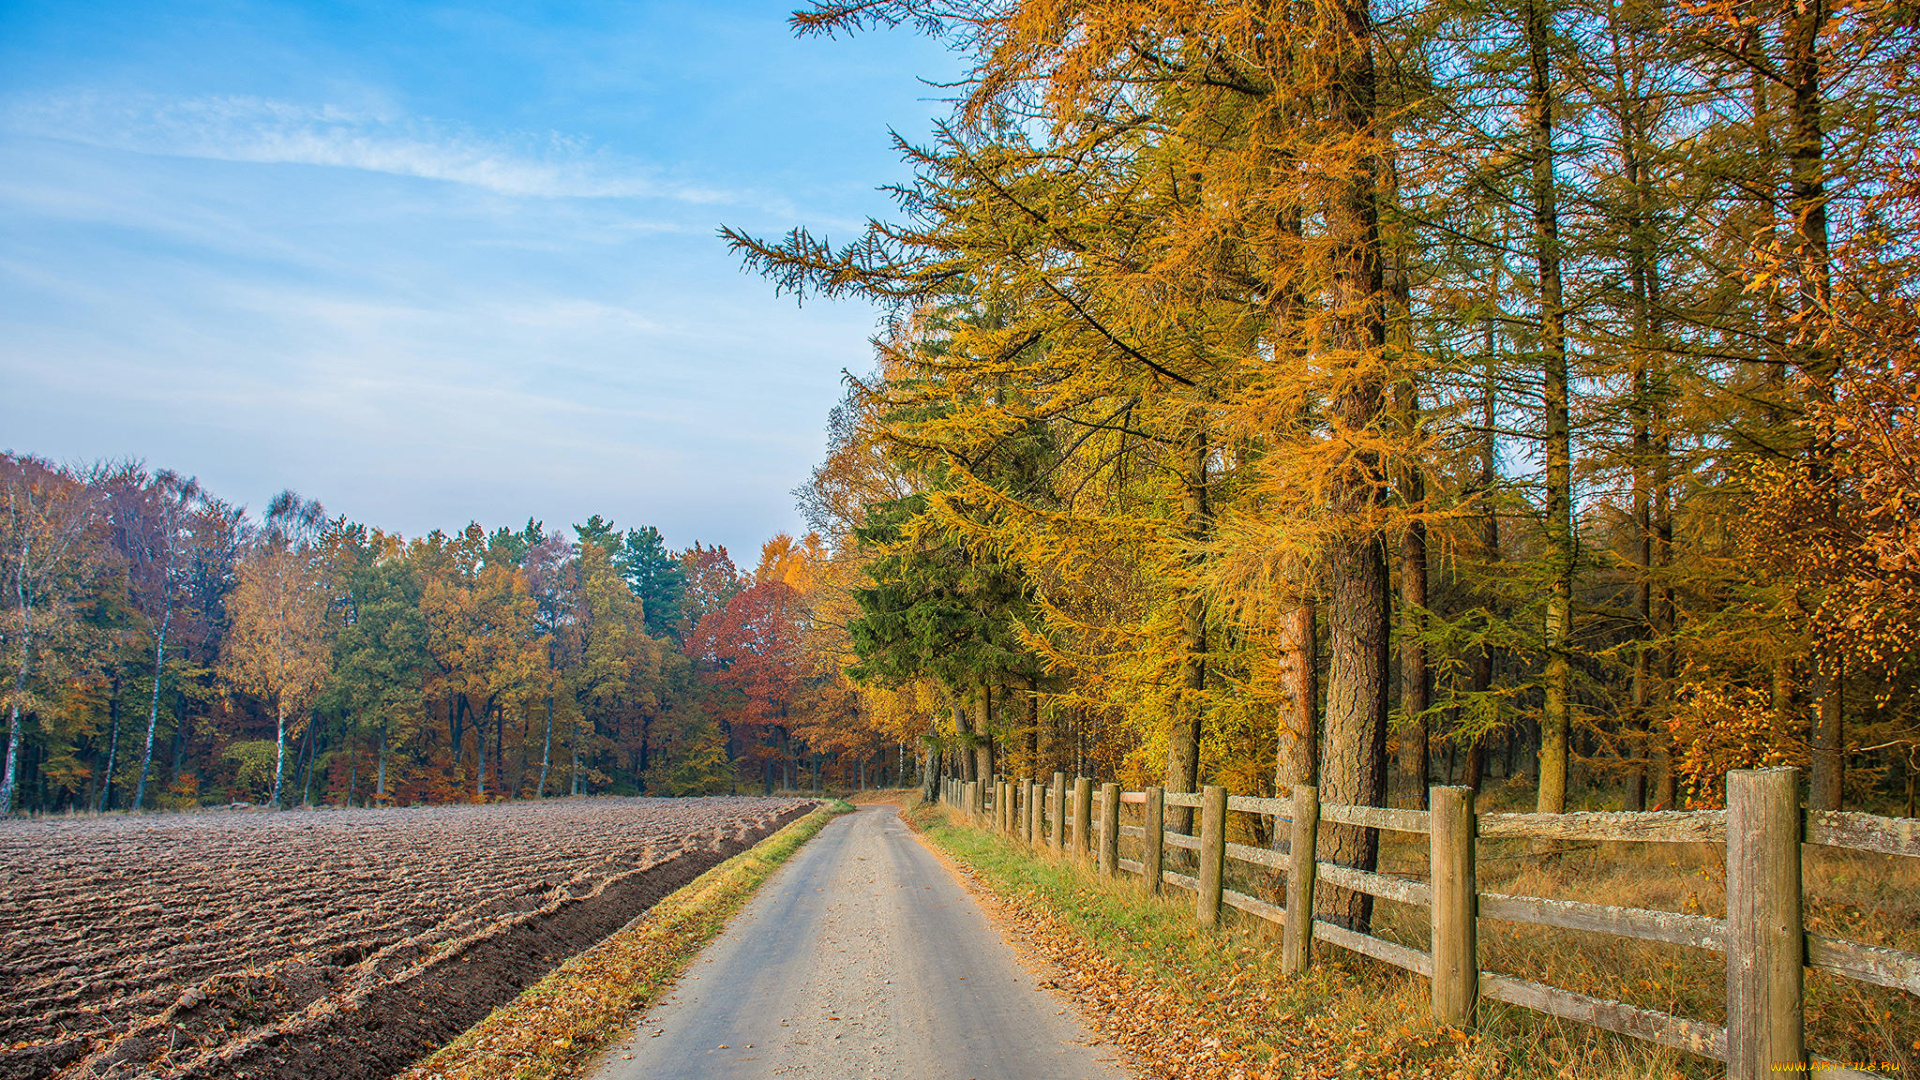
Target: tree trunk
[
  {"x": 13, "y": 759},
  {"x": 113, "y": 740},
  {"x": 9, "y": 781},
  {"x": 546, "y": 751},
  {"x": 1183, "y": 743},
  {"x": 1415, "y": 681},
  {"x": 179, "y": 736},
  {"x": 480, "y": 761},
  {"x": 1555, "y": 715},
  {"x": 983, "y": 734},
  {"x": 1354, "y": 768},
  {"x": 380, "y": 784},
  {"x": 1299, "y": 757},
  {"x": 153, "y": 707},
  {"x": 1827, "y": 779},
  {"x": 279, "y": 750}
]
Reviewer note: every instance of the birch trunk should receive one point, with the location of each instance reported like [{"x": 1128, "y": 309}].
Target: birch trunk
[
  {"x": 279, "y": 750},
  {"x": 153, "y": 706},
  {"x": 9, "y": 781}
]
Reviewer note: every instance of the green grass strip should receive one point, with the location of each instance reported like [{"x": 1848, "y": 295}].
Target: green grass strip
[{"x": 559, "y": 1024}]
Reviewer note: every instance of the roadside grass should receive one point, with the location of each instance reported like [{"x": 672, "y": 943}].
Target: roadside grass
[
  {"x": 560, "y": 1024},
  {"x": 1193, "y": 1003}
]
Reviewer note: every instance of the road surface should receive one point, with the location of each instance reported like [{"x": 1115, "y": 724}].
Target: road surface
[{"x": 862, "y": 957}]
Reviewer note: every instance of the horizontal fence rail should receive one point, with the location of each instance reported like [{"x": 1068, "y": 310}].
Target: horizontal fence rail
[{"x": 1762, "y": 832}]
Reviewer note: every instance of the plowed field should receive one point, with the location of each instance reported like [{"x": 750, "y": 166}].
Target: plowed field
[{"x": 341, "y": 943}]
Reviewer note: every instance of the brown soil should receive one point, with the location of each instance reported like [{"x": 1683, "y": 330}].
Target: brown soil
[{"x": 318, "y": 943}]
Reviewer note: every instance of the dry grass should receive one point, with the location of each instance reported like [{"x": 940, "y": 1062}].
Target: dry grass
[{"x": 1856, "y": 896}]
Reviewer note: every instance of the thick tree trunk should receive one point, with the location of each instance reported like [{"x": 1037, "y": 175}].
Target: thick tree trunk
[
  {"x": 1299, "y": 756},
  {"x": 1808, "y": 174},
  {"x": 1556, "y": 713},
  {"x": 983, "y": 734},
  {"x": 1354, "y": 768}
]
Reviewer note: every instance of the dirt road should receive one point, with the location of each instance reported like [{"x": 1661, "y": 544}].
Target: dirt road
[{"x": 863, "y": 957}]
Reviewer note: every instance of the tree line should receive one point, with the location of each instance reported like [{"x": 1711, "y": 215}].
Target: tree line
[
  {"x": 1373, "y": 394},
  {"x": 164, "y": 649}
]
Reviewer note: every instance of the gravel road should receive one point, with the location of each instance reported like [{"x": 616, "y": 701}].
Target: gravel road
[{"x": 862, "y": 957}]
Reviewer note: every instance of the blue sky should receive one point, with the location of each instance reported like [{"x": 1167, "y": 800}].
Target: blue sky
[{"x": 430, "y": 262}]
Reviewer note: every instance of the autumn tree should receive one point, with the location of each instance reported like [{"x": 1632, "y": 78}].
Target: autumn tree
[
  {"x": 278, "y": 647},
  {"x": 47, "y": 516}
]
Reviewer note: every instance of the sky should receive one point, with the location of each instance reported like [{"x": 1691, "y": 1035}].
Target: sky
[{"x": 438, "y": 262}]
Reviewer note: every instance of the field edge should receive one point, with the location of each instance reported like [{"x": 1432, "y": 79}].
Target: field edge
[{"x": 559, "y": 1025}]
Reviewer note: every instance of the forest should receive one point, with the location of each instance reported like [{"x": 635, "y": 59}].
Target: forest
[
  {"x": 167, "y": 650},
  {"x": 1372, "y": 395}
]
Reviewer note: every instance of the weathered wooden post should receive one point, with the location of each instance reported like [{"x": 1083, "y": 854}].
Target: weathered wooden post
[
  {"x": 1297, "y": 948},
  {"x": 977, "y": 801},
  {"x": 1057, "y": 807},
  {"x": 1082, "y": 817},
  {"x": 1766, "y": 944},
  {"x": 1109, "y": 829},
  {"x": 1456, "y": 903},
  {"x": 1030, "y": 824},
  {"x": 1156, "y": 841},
  {"x": 1213, "y": 855}
]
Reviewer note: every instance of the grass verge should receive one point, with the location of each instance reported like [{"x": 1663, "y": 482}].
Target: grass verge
[
  {"x": 560, "y": 1023},
  {"x": 1190, "y": 1003}
]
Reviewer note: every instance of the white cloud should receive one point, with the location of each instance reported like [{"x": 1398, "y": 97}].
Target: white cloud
[{"x": 265, "y": 131}]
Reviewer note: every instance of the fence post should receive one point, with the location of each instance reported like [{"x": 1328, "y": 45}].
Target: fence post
[
  {"x": 1213, "y": 854},
  {"x": 1109, "y": 829},
  {"x": 1029, "y": 808},
  {"x": 1037, "y": 834},
  {"x": 1156, "y": 840},
  {"x": 1766, "y": 944},
  {"x": 979, "y": 806},
  {"x": 1297, "y": 949},
  {"x": 1456, "y": 902},
  {"x": 1057, "y": 807},
  {"x": 1083, "y": 817}
]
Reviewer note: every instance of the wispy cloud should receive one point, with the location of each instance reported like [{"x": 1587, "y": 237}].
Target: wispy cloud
[{"x": 262, "y": 130}]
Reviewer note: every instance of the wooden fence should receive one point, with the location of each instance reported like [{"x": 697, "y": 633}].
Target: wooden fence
[{"x": 1763, "y": 828}]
